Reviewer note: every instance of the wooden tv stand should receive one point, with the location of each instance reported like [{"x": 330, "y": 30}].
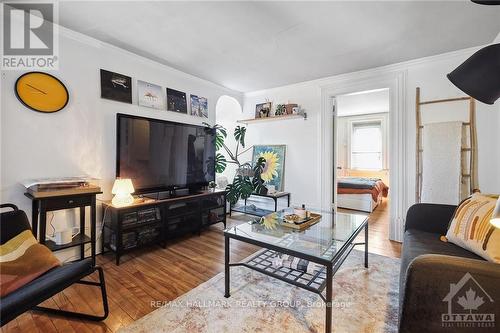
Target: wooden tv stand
[{"x": 152, "y": 222}]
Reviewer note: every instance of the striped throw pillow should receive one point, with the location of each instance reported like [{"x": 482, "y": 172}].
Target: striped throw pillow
[
  {"x": 471, "y": 229},
  {"x": 22, "y": 260}
]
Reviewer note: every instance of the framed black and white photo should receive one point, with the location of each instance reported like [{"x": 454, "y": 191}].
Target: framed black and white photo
[
  {"x": 115, "y": 86},
  {"x": 176, "y": 101},
  {"x": 149, "y": 95}
]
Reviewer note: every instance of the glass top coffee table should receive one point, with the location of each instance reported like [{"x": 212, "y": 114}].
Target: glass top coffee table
[{"x": 320, "y": 251}]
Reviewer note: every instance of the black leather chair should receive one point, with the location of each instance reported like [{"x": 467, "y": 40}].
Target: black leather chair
[{"x": 54, "y": 281}]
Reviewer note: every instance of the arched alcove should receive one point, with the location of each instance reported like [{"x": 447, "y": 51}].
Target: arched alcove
[{"x": 227, "y": 111}]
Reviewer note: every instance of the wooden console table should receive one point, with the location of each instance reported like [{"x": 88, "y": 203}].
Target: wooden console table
[{"x": 41, "y": 203}]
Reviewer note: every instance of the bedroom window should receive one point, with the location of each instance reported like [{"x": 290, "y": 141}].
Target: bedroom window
[{"x": 366, "y": 145}]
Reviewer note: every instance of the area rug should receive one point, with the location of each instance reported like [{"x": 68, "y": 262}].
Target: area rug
[{"x": 365, "y": 300}]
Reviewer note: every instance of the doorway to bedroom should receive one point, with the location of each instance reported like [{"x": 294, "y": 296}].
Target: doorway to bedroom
[{"x": 362, "y": 154}]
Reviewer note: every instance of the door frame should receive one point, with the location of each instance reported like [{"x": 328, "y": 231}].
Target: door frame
[{"x": 396, "y": 82}]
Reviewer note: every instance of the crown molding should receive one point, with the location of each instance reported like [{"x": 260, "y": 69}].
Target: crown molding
[
  {"x": 368, "y": 73},
  {"x": 93, "y": 42}
]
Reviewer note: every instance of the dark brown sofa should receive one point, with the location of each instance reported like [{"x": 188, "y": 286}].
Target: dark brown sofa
[{"x": 429, "y": 267}]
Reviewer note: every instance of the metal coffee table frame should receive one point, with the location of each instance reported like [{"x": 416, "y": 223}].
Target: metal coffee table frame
[{"x": 315, "y": 283}]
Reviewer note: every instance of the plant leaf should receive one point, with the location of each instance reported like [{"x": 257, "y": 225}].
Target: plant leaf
[
  {"x": 219, "y": 141},
  {"x": 246, "y": 189},
  {"x": 234, "y": 190},
  {"x": 259, "y": 165},
  {"x": 239, "y": 135},
  {"x": 258, "y": 168},
  {"x": 220, "y": 134},
  {"x": 220, "y": 163},
  {"x": 232, "y": 194},
  {"x": 221, "y": 130}
]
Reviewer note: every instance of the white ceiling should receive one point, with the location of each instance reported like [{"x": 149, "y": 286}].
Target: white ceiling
[
  {"x": 365, "y": 102},
  {"x": 248, "y": 46}
]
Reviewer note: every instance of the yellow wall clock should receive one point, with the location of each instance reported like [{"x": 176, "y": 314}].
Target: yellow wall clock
[{"x": 41, "y": 92}]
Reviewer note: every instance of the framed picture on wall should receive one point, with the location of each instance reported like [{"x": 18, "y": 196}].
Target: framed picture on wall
[
  {"x": 203, "y": 107},
  {"x": 195, "y": 106},
  {"x": 176, "y": 101},
  {"x": 115, "y": 86},
  {"x": 199, "y": 106},
  {"x": 274, "y": 169},
  {"x": 149, "y": 95}
]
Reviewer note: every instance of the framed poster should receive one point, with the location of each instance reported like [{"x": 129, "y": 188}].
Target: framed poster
[
  {"x": 176, "y": 101},
  {"x": 199, "y": 106},
  {"x": 149, "y": 95},
  {"x": 203, "y": 107},
  {"x": 274, "y": 169},
  {"x": 115, "y": 86},
  {"x": 195, "y": 106}
]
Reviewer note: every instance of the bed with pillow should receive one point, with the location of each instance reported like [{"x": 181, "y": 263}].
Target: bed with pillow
[{"x": 359, "y": 193}]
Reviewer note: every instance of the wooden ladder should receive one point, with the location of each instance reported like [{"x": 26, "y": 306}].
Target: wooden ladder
[{"x": 468, "y": 173}]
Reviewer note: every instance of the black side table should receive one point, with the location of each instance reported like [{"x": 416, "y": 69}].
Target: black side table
[
  {"x": 43, "y": 203},
  {"x": 260, "y": 211}
]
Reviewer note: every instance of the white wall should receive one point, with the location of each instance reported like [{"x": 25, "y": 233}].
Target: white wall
[
  {"x": 80, "y": 139},
  {"x": 364, "y": 102},
  {"x": 302, "y": 137}
]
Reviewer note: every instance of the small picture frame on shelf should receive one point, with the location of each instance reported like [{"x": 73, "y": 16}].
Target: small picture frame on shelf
[
  {"x": 263, "y": 110},
  {"x": 289, "y": 108}
]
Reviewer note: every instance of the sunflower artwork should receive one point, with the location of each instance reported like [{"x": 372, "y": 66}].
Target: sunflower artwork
[{"x": 274, "y": 169}]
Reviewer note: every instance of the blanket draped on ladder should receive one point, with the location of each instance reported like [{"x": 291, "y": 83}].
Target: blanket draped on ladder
[{"x": 441, "y": 162}]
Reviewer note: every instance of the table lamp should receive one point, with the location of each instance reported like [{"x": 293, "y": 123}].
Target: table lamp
[
  {"x": 495, "y": 218},
  {"x": 122, "y": 189}
]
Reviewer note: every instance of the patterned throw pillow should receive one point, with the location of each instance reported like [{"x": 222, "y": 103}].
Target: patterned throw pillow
[
  {"x": 22, "y": 260},
  {"x": 471, "y": 229}
]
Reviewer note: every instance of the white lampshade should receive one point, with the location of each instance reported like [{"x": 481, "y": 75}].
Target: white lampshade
[
  {"x": 495, "y": 218},
  {"x": 123, "y": 185},
  {"x": 122, "y": 189}
]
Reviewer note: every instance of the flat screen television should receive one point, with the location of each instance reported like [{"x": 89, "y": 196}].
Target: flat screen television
[{"x": 161, "y": 155}]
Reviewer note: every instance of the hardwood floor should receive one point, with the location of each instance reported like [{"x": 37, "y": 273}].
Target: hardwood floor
[
  {"x": 157, "y": 274},
  {"x": 378, "y": 241}
]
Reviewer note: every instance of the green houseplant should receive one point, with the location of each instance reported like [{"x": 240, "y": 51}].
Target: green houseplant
[
  {"x": 280, "y": 110},
  {"x": 248, "y": 176}
]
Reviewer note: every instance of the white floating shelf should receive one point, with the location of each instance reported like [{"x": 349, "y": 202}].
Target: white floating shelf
[{"x": 261, "y": 120}]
